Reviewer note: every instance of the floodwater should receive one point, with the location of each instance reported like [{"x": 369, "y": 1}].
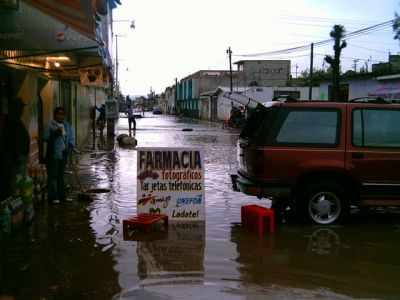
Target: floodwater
[{"x": 79, "y": 251}]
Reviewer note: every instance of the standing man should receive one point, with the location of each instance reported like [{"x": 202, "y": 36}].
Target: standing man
[
  {"x": 101, "y": 120},
  {"x": 60, "y": 142},
  {"x": 131, "y": 118},
  {"x": 16, "y": 143}
]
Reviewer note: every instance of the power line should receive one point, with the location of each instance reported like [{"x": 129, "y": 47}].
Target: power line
[
  {"x": 351, "y": 58},
  {"x": 374, "y": 50},
  {"x": 350, "y": 35}
]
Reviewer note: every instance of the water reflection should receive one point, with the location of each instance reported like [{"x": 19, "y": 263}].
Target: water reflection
[
  {"x": 168, "y": 256},
  {"x": 324, "y": 241},
  {"x": 305, "y": 260}
]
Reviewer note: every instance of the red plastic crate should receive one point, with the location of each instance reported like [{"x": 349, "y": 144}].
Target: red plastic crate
[
  {"x": 143, "y": 221},
  {"x": 254, "y": 218}
]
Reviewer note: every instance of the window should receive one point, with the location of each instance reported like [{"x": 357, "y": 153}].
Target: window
[
  {"x": 314, "y": 127},
  {"x": 376, "y": 128},
  {"x": 190, "y": 89}
]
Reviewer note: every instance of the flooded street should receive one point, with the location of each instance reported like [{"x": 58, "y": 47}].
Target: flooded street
[{"x": 78, "y": 250}]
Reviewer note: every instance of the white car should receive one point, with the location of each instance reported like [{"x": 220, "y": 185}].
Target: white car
[{"x": 137, "y": 113}]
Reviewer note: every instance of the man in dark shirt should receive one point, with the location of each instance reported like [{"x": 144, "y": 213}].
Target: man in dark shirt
[{"x": 16, "y": 142}]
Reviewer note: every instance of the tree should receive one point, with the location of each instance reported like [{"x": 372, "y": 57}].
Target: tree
[
  {"x": 337, "y": 34},
  {"x": 396, "y": 26},
  {"x": 318, "y": 75}
]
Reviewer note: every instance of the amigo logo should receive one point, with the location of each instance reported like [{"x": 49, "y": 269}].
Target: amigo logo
[{"x": 188, "y": 201}]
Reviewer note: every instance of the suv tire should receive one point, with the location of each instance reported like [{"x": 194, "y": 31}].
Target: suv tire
[{"x": 323, "y": 203}]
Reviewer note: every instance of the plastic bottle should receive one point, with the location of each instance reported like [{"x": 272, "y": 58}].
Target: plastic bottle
[
  {"x": 18, "y": 185},
  {"x": 28, "y": 208},
  {"x": 16, "y": 213},
  {"x": 5, "y": 217},
  {"x": 27, "y": 185},
  {"x": 44, "y": 171},
  {"x": 37, "y": 191}
]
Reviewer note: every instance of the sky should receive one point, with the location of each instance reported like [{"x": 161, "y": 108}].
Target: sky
[{"x": 175, "y": 38}]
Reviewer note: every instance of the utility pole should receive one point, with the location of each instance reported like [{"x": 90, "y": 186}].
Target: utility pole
[
  {"x": 229, "y": 52},
  {"x": 176, "y": 97},
  {"x": 116, "y": 61},
  {"x": 355, "y": 64},
  {"x": 311, "y": 71}
]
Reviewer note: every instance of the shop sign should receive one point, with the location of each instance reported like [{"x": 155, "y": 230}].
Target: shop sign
[{"x": 171, "y": 181}]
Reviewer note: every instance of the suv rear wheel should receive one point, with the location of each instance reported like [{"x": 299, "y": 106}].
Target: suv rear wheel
[{"x": 323, "y": 203}]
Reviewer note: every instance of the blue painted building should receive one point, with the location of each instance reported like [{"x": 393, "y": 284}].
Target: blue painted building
[{"x": 191, "y": 87}]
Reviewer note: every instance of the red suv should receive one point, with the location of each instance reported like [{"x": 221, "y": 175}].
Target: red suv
[{"x": 320, "y": 157}]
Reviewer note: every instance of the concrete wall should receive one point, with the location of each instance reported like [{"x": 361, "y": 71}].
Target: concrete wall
[
  {"x": 30, "y": 117},
  {"x": 169, "y": 100},
  {"x": 264, "y": 72},
  {"x": 205, "y": 84},
  {"x": 264, "y": 94},
  {"x": 261, "y": 94},
  {"x": 358, "y": 87}
]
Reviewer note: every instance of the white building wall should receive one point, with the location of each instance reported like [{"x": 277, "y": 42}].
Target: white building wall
[
  {"x": 260, "y": 94},
  {"x": 359, "y": 87},
  {"x": 170, "y": 99}
]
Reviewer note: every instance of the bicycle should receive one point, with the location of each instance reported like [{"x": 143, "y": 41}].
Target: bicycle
[{"x": 233, "y": 123}]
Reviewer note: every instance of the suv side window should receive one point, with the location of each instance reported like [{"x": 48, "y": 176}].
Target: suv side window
[
  {"x": 376, "y": 127},
  {"x": 306, "y": 127}
]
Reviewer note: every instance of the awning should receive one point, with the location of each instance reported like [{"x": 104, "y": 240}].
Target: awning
[
  {"x": 56, "y": 38},
  {"x": 387, "y": 91},
  {"x": 81, "y": 15},
  {"x": 78, "y": 14}
]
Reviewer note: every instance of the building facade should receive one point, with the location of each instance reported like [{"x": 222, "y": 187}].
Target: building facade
[
  {"x": 215, "y": 106},
  {"x": 191, "y": 87},
  {"x": 50, "y": 60},
  {"x": 263, "y": 72}
]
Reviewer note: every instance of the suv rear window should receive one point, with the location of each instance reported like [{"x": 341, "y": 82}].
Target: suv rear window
[
  {"x": 306, "y": 127},
  {"x": 259, "y": 118},
  {"x": 376, "y": 127}
]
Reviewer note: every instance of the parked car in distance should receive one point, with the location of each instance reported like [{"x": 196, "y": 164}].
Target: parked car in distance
[
  {"x": 157, "y": 110},
  {"x": 137, "y": 113},
  {"x": 319, "y": 157}
]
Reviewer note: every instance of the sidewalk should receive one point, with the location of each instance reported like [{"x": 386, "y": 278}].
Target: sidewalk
[{"x": 87, "y": 152}]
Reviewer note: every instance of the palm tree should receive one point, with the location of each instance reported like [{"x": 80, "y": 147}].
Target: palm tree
[
  {"x": 396, "y": 26},
  {"x": 337, "y": 34}
]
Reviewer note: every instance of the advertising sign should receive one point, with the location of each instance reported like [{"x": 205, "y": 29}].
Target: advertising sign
[
  {"x": 184, "y": 243},
  {"x": 171, "y": 181},
  {"x": 95, "y": 76},
  {"x": 111, "y": 109}
]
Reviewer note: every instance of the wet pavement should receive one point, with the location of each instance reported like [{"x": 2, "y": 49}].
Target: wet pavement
[{"x": 78, "y": 250}]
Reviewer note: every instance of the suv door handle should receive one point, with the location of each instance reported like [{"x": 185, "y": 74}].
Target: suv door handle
[{"x": 357, "y": 155}]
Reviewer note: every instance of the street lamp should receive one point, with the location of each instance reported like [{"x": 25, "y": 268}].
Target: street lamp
[
  {"x": 132, "y": 26},
  {"x": 111, "y": 103}
]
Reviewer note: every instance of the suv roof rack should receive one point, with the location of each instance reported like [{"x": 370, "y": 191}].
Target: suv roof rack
[
  {"x": 370, "y": 100},
  {"x": 286, "y": 98}
]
